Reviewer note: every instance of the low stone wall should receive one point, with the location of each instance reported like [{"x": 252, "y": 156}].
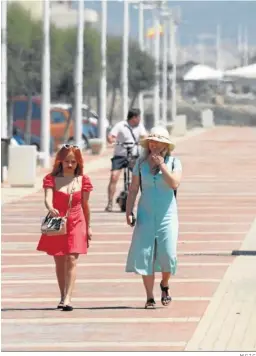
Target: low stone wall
[
  {"x": 224, "y": 114},
  {"x": 234, "y": 115}
]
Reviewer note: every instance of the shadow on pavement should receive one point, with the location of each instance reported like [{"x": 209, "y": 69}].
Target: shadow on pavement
[{"x": 88, "y": 308}]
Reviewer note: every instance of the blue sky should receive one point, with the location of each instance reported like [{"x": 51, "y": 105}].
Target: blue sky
[{"x": 196, "y": 17}]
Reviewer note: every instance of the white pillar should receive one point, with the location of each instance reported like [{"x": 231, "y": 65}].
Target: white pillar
[
  {"x": 4, "y": 132},
  {"x": 157, "y": 60},
  {"x": 164, "y": 75},
  {"x": 4, "y": 69},
  {"x": 103, "y": 82},
  {"x": 125, "y": 90},
  {"x": 240, "y": 44},
  {"x": 141, "y": 43},
  {"x": 218, "y": 48},
  {"x": 147, "y": 40},
  {"x": 46, "y": 88},
  {"x": 245, "y": 49},
  {"x": 173, "y": 54},
  {"x": 239, "y": 39},
  {"x": 79, "y": 74}
]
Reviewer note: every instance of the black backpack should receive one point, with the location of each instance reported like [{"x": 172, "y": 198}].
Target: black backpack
[{"x": 175, "y": 190}]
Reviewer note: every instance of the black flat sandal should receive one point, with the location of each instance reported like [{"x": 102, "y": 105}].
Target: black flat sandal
[
  {"x": 67, "y": 308},
  {"x": 60, "y": 305},
  {"x": 167, "y": 299},
  {"x": 109, "y": 207},
  {"x": 150, "y": 303}
]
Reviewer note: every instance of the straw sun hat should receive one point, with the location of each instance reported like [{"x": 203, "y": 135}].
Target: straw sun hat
[{"x": 159, "y": 134}]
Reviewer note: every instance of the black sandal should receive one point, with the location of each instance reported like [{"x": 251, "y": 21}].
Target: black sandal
[
  {"x": 150, "y": 303},
  {"x": 60, "y": 305},
  {"x": 109, "y": 207},
  {"x": 67, "y": 308},
  {"x": 167, "y": 299}
]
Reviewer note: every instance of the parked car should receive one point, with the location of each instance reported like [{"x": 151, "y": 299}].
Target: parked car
[
  {"x": 90, "y": 120},
  {"x": 62, "y": 123}
]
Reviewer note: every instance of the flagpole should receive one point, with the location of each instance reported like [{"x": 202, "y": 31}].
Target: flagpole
[
  {"x": 125, "y": 60},
  {"x": 79, "y": 74},
  {"x": 46, "y": 87},
  {"x": 103, "y": 81}
]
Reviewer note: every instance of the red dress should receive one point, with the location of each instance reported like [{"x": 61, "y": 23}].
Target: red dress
[{"x": 76, "y": 239}]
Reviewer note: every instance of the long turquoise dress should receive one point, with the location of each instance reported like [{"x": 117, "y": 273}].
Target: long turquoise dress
[{"x": 154, "y": 241}]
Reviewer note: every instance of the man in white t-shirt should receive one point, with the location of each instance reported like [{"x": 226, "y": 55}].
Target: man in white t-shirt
[{"x": 130, "y": 130}]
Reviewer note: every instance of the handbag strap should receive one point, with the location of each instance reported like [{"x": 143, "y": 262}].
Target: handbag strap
[
  {"x": 140, "y": 162},
  {"x": 70, "y": 199},
  {"x": 134, "y": 138}
]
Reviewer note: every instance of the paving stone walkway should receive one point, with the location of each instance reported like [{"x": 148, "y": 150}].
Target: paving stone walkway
[{"x": 214, "y": 294}]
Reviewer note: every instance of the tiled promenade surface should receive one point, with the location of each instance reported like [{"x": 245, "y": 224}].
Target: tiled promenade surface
[{"x": 214, "y": 293}]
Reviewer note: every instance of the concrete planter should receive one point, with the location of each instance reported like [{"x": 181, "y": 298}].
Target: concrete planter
[
  {"x": 96, "y": 145},
  {"x": 207, "y": 118},
  {"x": 22, "y": 166},
  {"x": 179, "y": 125}
]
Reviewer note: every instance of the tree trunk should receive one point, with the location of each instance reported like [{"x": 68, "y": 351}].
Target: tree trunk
[
  {"x": 135, "y": 95},
  {"x": 86, "y": 99},
  {"x": 112, "y": 105}
]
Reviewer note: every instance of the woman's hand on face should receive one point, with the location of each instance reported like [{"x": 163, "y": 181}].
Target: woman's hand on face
[
  {"x": 54, "y": 212},
  {"x": 157, "y": 159}
]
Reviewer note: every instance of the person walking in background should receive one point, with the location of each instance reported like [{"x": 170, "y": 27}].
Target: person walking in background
[
  {"x": 67, "y": 192},
  {"x": 154, "y": 242},
  {"x": 130, "y": 130}
]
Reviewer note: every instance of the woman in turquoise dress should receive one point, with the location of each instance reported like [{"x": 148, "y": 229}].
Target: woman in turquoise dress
[{"x": 154, "y": 242}]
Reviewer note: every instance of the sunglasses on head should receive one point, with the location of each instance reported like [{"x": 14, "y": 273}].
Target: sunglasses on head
[
  {"x": 67, "y": 145},
  {"x": 156, "y": 136}
]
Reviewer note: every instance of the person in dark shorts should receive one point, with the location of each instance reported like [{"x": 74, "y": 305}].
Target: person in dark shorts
[{"x": 130, "y": 130}]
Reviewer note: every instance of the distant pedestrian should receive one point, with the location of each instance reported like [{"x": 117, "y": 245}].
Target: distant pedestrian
[
  {"x": 154, "y": 242},
  {"x": 130, "y": 130},
  {"x": 67, "y": 192}
]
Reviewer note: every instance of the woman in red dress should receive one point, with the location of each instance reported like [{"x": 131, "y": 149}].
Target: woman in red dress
[{"x": 66, "y": 176}]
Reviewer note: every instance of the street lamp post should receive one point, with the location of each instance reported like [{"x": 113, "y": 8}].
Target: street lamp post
[
  {"x": 79, "y": 74},
  {"x": 46, "y": 87},
  {"x": 218, "y": 48},
  {"x": 103, "y": 82},
  {"x": 125, "y": 90},
  {"x": 141, "y": 43},
  {"x": 173, "y": 55},
  {"x": 157, "y": 62},
  {"x": 164, "y": 74},
  {"x": 4, "y": 69},
  {"x": 4, "y": 133},
  {"x": 143, "y": 5},
  {"x": 245, "y": 48},
  {"x": 164, "y": 15}
]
